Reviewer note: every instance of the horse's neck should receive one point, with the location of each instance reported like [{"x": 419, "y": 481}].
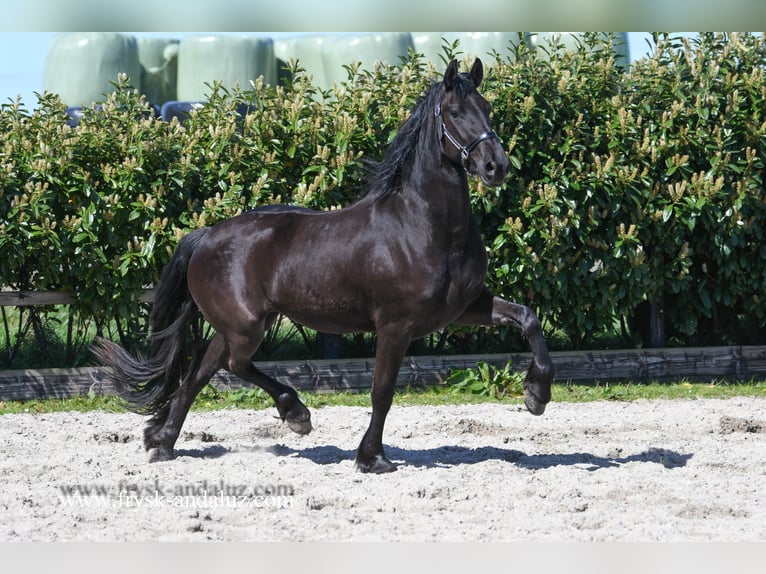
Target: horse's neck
[
  {"x": 440, "y": 199},
  {"x": 434, "y": 198}
]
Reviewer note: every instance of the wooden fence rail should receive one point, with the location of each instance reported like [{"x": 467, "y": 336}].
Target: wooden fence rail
[
  {"x": 698, "y": 364},
  {"x": 33, "y": 298}
]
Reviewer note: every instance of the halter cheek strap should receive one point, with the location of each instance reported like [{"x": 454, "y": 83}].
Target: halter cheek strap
[{"x": 465, "y": 150}]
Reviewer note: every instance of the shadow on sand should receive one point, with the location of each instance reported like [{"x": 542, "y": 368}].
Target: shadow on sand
[{"x": 446, "y": 456}]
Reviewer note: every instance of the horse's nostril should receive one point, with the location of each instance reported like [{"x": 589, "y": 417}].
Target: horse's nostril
[{"x": 490, "y": 167}]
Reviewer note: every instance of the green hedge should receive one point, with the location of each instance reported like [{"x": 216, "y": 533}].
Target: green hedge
[
  {"x": 640, "y": 186},
  {"x": 625, "y": 187}
]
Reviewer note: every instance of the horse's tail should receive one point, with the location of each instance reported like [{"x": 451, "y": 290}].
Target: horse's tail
[{"x": 147, "y": 384}]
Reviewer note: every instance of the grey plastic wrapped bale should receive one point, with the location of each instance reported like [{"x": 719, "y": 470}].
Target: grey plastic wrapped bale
[
  {"x": 571, "y": 41},
  {"x": 364, "y": 48},
  {"x": 81, "y": 66},
  {"x": 472, "y": 45},
  {"x": 323, "y": 56},
  {"x": 231, "y": 60},
  {"x": 308, "y": 51},
  {"x": 159, "y": 68}
]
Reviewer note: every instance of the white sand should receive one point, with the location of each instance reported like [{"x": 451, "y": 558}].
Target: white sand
[{"x": 631, "y": 471}]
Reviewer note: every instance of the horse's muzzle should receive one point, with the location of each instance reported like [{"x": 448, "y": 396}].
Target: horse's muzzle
[{"x": 493, "y": 170}]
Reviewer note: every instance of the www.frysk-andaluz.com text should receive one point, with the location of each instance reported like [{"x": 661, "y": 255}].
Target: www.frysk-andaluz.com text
[{"x": 202, "y": 494}]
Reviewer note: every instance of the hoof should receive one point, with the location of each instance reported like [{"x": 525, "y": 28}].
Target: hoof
[
  {"x": 159, "y": 454},
  {"x": 300, "y": 427},
  {"x": 379, "y": 464},
  {"x": 534, "y": 406},
  {"x": 294, "y": 413},
  {"x": 537, "y": 388}
]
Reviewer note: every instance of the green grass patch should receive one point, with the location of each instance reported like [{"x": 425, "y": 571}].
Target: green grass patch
[
  {"x": 630, "y": 391},
  {"x": 213, "y": 399}
]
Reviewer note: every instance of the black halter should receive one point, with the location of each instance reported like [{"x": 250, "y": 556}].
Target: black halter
[{"x": 465, "y": 150}]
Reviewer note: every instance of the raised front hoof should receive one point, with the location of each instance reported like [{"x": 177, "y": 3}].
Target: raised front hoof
[
  {"x": 533, "y": 405},
  {"x": 160, "y": 454},
  {"x": 378, "y": 464},
  {"x": 537, "y": 387}
]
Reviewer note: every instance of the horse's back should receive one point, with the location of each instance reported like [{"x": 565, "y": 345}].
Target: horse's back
[{"x": 280, "y": 208}]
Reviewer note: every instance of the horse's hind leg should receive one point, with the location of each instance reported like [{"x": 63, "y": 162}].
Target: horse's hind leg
[
  {"x": 163, "y": 428},
  {"x": 290, "y": 408}
]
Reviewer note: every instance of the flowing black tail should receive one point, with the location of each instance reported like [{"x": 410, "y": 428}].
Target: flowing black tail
[{"x": 147, "y": 384}]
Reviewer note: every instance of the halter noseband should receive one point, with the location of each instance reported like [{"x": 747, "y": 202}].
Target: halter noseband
[{"x": 465, "y": 150}]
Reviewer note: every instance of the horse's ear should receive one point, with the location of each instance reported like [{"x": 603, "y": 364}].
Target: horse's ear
[
  {"x": 477, "y": 72},
  {"x": 450, "y": 74}
]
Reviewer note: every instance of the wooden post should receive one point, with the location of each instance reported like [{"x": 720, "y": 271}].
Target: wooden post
[
  {"x": 657, "y": 336},
  {"x": 328, "y": 346}
]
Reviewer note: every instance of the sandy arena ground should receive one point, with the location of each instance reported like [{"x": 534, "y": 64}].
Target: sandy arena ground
[{"x": 685, "y": 470}]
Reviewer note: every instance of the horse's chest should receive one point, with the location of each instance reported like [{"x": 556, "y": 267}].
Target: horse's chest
[
  {"x": 459, "y": 281},
  {"x": 466, "y": 273},
  {"x": 448, "y": 293}
]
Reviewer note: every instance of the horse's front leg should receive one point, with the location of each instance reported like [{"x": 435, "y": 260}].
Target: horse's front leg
[
  {"x": 391, "y": 348},
  {"x": 488, "y": 309}
]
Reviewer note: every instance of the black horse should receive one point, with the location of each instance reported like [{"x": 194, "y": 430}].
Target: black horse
[{"x": 403, "y": 261}]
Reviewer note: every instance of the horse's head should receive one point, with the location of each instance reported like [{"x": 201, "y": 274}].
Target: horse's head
[{"x": 463, "y": 116}]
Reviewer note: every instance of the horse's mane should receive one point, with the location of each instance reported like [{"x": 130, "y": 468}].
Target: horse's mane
[{"x": 389, "y": 175}]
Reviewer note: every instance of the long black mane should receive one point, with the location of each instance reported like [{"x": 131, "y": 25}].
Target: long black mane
[{"x": 389, "y": 176}]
